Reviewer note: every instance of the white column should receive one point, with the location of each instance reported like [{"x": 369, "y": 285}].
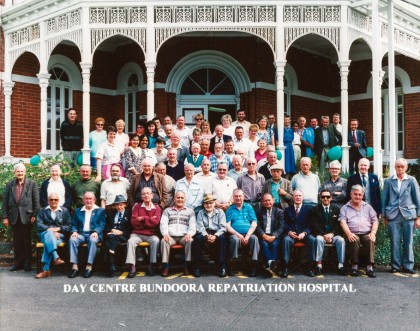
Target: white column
[
  {"x": 150, "y": 62},
  {"x": 376, "y": 89},
  {"x": 43, "y": 84},
  {"x": 280, "y": 106},
  {"x": 86, "y": 66},
  {"x": 344, "y": 73},
  {"x": 391, "y": 91},
  {"x": 7, "y": 90}
]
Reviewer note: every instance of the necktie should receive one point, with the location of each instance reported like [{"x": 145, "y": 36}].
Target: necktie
[
  {"x": 195, "y": 159},
  {"x": 364, "y": 180},
  {"x": 354, "y": 137},
  {"x": 326, "y": 216},
  {"x": 297, "y": 210},
  {"x": 220, "y": 140},
  {"x": 120, "y": 217}
]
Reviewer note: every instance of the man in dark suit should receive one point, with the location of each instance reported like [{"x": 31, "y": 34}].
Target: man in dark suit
[
  {"x": 326, "y": 229},
  {"x": 219, "y": 137},
  {"x": 371, "y": 184},
  {"x": 326, "y": 136},
  {"x": 20, "y": 208},
  {"x": 297, "y": 229},
  {"x": 270, "y": 230},
  {"x": 357, "y": 142},
  {"x": 87, "y": 227}
]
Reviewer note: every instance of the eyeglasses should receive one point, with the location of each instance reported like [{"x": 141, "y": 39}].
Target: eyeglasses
[
  {"x": 325, "y": 196},
  {"x": 199, "y": 119},
  {"x": 251, "y": 163},
  {"x": 139, "y": 127},
  {"x": 334, "y": 168},
  {"x": 99, "y": 124},
  {"x": 221, "y": 169},
  {"x": 53, "y": 199}
]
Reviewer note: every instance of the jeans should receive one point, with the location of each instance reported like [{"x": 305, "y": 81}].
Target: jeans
[
  {"x": 271, "y": 250},
  {"x": 394, "y": 228},
  {"x": 50, "y": 242}
]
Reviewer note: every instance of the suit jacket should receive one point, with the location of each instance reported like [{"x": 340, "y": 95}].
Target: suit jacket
[
  {"x": 284, "y": 185},
  {"x": 213, "y": 141},
  {"x": 28, "y": 205},
  {"x": 43, "y": 194},
  {"x": 62, "y": 220},
  {"x": 298, "y": 223},
  {"x": 160, "y": 187},
  {"x": 97, "y": 221},
  {"x": 334, "y": 139},
  {"x": 277, "y": 222},
  {"x": 124, "y": 226},
  {"x": 265, "y": 172},
  {"x": 361, "y": 139},
  {"x": 406, "y": 201},
  {"x": 319, "y": 220},
  {"x": 374, "y": 190}
]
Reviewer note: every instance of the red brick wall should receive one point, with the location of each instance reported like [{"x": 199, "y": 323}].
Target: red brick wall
[
  {"x": 411, "y": 125},
  {"x": 26, "y": 65}
]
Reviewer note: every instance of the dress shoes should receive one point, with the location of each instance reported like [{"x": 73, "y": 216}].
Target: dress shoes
[
  {"x": 310, "y": 273},
  {"x": 342, "y": 271},
  {"x": 273, "y": 266},
  {"x": 165, "y": 272},
  {"x": 409, "y": 271},
  {"x": 74, "y": 273},
  {"x": 394, "y": 270},
  {"x": 318, "y": 271},
  {"x": 267, "y": 273},
  {"x": 284, "y": 273},
  {"x": 222, "y": 272},
  {"x": 43, "y": 274},
  {"x": 58, "y": 261},
  {"x": 15, "y": 267},
  {"x": 88, "y": 273},
  {"x": 27, "y": 266},
  {"x": 354, "y": 273},
  {"x": 253, "y": 272},
  {"x": 371, "y": 273},
  {"x": 197, "y": 272},
  {"x": 132, "y": 272},
  {"x": 150, "y": 271},
  {"x": 111, "y": 273},
  {"x": 187, "y": 271}
]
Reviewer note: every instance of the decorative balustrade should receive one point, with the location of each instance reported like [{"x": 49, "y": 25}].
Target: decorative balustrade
[
  {"x": 24, "y": 35},
  {"x": 64, "y": 22},
  {"x": 118, "y": 15},
  {"x": 311, "y": 14},
  {"x": 360, "y": 20}
]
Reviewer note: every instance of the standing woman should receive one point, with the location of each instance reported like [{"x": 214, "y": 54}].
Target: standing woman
[
  {"x": 132, "y": 155},
  {"x": 96, "y": 139},
  {"x": 108, "y": 154},
  {"x": 121, "y": 138},
  {"x": 152, "y": 133},
  {"x": 227, "y": 128},
  {"x": 263, "y": 132},
  {"x": 206, "y": 130},
  {"x": 253, "y": 137},
  {"x": 261, "y": 152}
]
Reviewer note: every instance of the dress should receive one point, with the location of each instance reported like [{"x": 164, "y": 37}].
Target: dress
[
  {"x": 289, "y": 155},
  {"x": 96, "y": 139},
  {"x": 132, "y": 161},
  {"x": 264, "y": 135},
  {"x": 109, "y": 153}
]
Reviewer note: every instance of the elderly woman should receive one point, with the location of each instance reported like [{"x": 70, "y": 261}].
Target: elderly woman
[
  {"x": 206, "y": 130},
  {"x": 152, "y": 133},
  {"x": 263, "y": 131},
  {"x": 53, "y": 224},
  {"x": 108, "y": 154},
  {"x": 336, "y": 185},
  {"x": 56, "y": 184},
  {"x": 96, "y": 139},
  {"x": 261, "y": 152},
  {"x": 121, "y": 138},
  {"x": 227, "y": 128}
]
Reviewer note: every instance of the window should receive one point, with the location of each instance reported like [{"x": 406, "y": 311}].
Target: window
[
  {"x": 59, "y": 98},
  {"x": 208, "y": 82},
  {"x": 131, "y": 103}
]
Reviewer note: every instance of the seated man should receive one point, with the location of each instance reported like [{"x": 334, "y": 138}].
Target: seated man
[
  {"x": 211, "y": 228},
  {"x": 177, "y": 226},
  {"x": 326, "y": 229},
  {"x": 145, "y": 220},
  {"x": 53, "y": 224},
  {"x": 117, "y": 229},
  {"x": 241, "y": 224},
  {"x": 360, "y": 224},
  {"x": 87, "y": 227},
  {"x": 270, "y": 230},
  {"x": 298, "y": 230}
]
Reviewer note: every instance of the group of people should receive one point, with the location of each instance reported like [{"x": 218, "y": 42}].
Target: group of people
[{"x": 173, "y": 185}]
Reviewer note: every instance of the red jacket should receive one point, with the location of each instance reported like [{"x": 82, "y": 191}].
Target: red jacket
[{"x": 149, "y": 224}]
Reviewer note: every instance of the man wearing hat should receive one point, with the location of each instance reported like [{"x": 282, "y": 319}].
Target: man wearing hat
[
  {"x": 211, "y": 228},
  {"x": 117, "y": 230},
  {"x": 280, "y": 188}
]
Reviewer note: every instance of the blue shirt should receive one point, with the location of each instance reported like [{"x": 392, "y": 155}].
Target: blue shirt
[
  {"x": 309, "y": 136},
  {"x": 240, "y": 220}
]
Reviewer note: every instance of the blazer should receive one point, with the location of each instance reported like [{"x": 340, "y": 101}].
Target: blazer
[
  {"x": 277, "y": 222},
  {"x": 407, "y": 201},
  {"x": 297, "y": 223},
  {"x": 213, "y": 141},
  {"x": 28, "y": 205},
  {"x": 159, "y": 184},
  {"x": 284, "y": 185},
  {"x": 361, "y": 139},
  {"x": 265, "y": 172},
  {"x": 125, "y": 225},
  {"x": 43, "y": 194},
  {"x": 97, "y": 221},
  {"x": 334, "y": 139},
  {"x": 62, "y": 220},
  {"x": 374, "y": 190},
  {"x": 319, "y": 220}
]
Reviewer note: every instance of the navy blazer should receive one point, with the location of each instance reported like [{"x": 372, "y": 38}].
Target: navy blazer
[
  {"x": 298, "y": 223},
  {"x": 361, "y": 139},
  {"x": 213, "y": 141},
  {"x": 62, "y": 220},
  {"x": 97, "y": 221},
  {"x": 277, "y": 222},
  {"x": 374, "y": 190},
  {"x": 43, "y": 195},
  {"x": 319, "y": 220},
  {"x": 124, "y": 226},
  {"x": 334, "y": 139}
]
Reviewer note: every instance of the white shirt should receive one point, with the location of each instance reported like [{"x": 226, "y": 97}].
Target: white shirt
[
  {"x": 222, "y": 189},
  {"x": 57, "y": 186},
  {"x": 88, "y": 215},
  {"x": 185, "y": 135},
  {"x": 246, "y": 145},
  {"x": 400, "y": 181},
  {"x": 245, "y": 125},
  {"x": 205, "y": 180},
  {"x": 110, "y": 189}
]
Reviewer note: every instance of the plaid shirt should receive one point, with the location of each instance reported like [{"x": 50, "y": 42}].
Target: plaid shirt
[{"x": 214, "y": 162}]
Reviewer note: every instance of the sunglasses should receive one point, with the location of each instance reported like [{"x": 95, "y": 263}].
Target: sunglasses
[
  {"x": 99, "y": 124},
  {"x": 251, "y": 163},
  {"x": 325, "y": 196},
  {"x": 53, "y": 199},
  {"x": 221, "y": 169}
]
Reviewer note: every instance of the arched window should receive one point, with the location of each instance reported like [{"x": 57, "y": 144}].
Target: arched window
[
  {"x": 59, "y": 99},
  {"x": 131, "y": 113},
  {"x": 207, "y": 81}
]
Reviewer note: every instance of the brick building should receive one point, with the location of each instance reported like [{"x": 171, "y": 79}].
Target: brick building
[{"x": 307, "y": 58}]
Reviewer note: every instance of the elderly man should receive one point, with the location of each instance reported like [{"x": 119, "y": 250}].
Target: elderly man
[
  {"x": 265, "y": 169},
  {"x": 196, "y": 158},
  {"x": 177, "y": 226},
  {"x": 169, "y": 183},
  {"x": 222, "y": 187},
  {"x": 401, "y": 208},
  {"x": 230, "y": 149},
  {"x": 241, "y": 223},
  {"x": 357, "y": 142},
  {"x": 181, "y": 151},
  {"x": 279, "y": 188},
  {"x": 237, "y": 169},
  {"x": 88, "y": 225},
  {"x": 53, "y": 224},
  {"x": 183, "y": 131},
  {"x": 336, "y": 185},
  {"x": 370, "y": 183},
  {"x": 308, "y": 137},
  {"x": 56, "y": 184},
  {"x": 20, "y": 208},
  {"x": 218, "y": 138},
  {"x": 192, "y": 188},
  {"x": 297, "y": 229},
  {"x": 218, "y": 157},
  {"x": 326, "y": 230},
  {"x": 326, "y": 136},
  {"x": 359, "y": 222},
  {"x": 169, "y": 129},
  {"x": 145, "y": 221},
  {"x": 204, "y": 148},
  {"x": 71, "y": 136},
  {"x": 111, "y": 187},
  {"x": 307, "y": 182},
  {"x": 174, "y": 167},
  {"x": 270, "y": 230},
  {"x": 211, "y": 228},
  {"x": 251, "y": 183},
  {"x": 85, "y": 184},
  {"x": 148, "y": 178}
]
